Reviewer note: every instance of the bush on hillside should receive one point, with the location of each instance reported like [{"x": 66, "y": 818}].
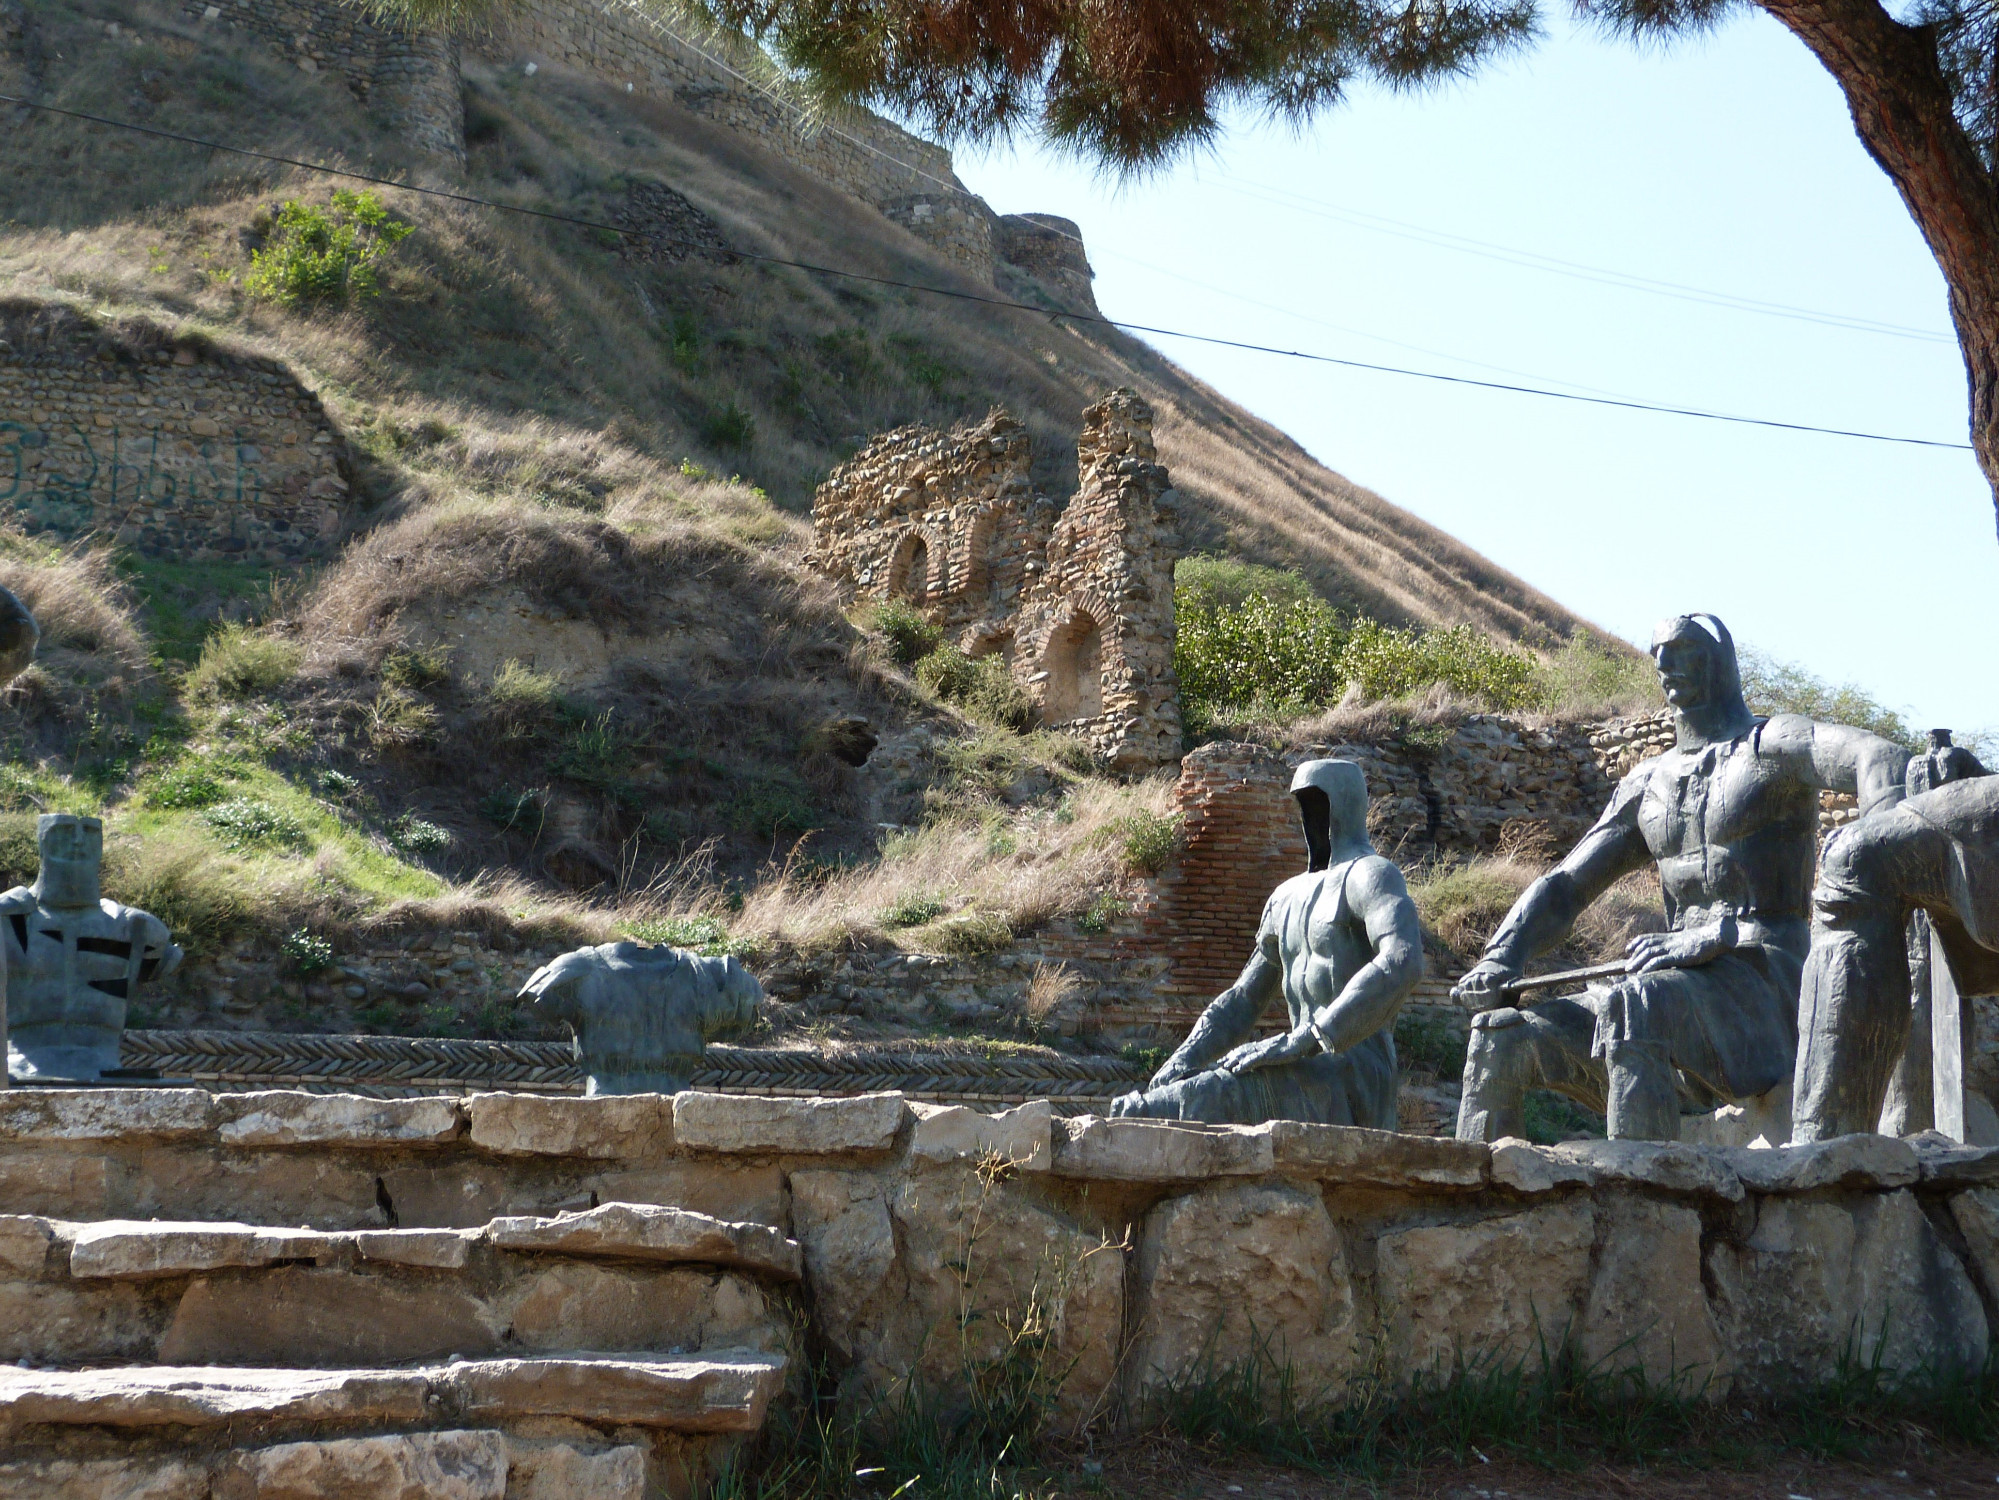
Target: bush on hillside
[
  {"x": 981, "y": 685},
  {"x": 910, "y": 637},
  {"x": 316, "y": 254},
  {"x": 1590, "y": 679},
  {"x": 1205, "y": 581},
  {"x": 238, "y": 662}
]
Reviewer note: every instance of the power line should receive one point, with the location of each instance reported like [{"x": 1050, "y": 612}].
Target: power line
[{"x": 1060, "y": 318}]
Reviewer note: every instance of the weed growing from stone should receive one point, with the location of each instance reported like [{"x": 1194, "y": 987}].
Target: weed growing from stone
[{"x": 306, "y": 953}]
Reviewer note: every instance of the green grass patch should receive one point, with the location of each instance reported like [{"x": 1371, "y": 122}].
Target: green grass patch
[
  {"x": 181, "y": 600},
  {"x": 706, "y": 935},
  {"x": 239, "y": 662}
]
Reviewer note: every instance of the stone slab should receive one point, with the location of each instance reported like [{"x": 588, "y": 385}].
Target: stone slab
[
  {"x": 1946, "y": 1163},
  {"x": 24, "y": 1246},
  {"x": 297, "y": 1315},
  {"x": 405, "y": 1466},
  {"x": 1668, "y": 1166},
  {"x": 1976, "y": 1213},
  {"x": 1527, "y": 1168},
  {"x": 1378, "y": 1158},
  {"x": 435, "y": 1249},
  {"x": 609, "y": 1127},
  {"x": 710, "y": 1394},
  {"x": 105, "y": 1114},
  {"x": 184, "y": 1396},
  {"x": 1848, "y": 1161},
  {"x": 151, "y": 1247},
  {"x": 1157, "y": 1151},
  {"x": 749, "y": 1124},
  {"x": 646, "y": 1231},
  {"x": 561, "y": 1471},
  {"x": 1022, "y": 1136},
  {"x": 142, "y": 1477},
  {"x": 287, "y": 1117}
]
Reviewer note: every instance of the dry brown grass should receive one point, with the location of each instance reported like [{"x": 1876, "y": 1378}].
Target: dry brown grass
[
  {"x": 85, "y": 611},
  {"x": 1463, "y": 905}
]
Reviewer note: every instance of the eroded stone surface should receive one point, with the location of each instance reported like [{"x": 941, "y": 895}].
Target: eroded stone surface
[
  {"x": 1669, "y": 1166},
  {"x": 1501, "y": 1287},
  {"x": 785, "y": 1127},
  {"x": 686, "y": 1395},
  {"x": 1864, "y": 1274},
  {"x": 842, "y": 1220},
  {"x": 1158, "y": 1151},
  {"x": 145, "y": 1248},
  {"x": 1235, "y": 1274},
  {"x": 104, "y": 1114},
  {"x": 1977, "y": 1216},
  {"x": 292, "y": 1118},
  {"x": 438, "y": 1249},
  {"x": 24, "y": 1245},
  {"x": 1378, "y": 1158},
  {"x": 1646, "y": 1309},
  {"x": 646, "y": 1231},
  {"x": 950, "y": 1132},
  {"x": 1949, "y": 1163},
  {"x": 157, "y": 1396},
  {"x": 412, "y": 1466},
  {"x": 584, "y": 1306},
  {"x": 1527, "y": 1168},
  {"x": 57, "y": 1323},
  {"x": 545, "y": 1470},
  {"x": 614, "y": 1125},
  {"x": 150, "y": 1477},
  {"x": 1847, "y": 1161},
  {"x": 292, "y": 1315}
]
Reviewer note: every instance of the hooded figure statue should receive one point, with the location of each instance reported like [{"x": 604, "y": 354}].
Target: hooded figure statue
[
  {"x": 1343, "y": 945},
  {"x": 1706, "y": 1013}
]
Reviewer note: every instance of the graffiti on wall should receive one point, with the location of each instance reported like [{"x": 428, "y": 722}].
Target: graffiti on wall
[{"x": 105, "y": 473}]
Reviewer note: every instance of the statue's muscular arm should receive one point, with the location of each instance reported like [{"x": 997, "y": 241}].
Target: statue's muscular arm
[
  {"x": 1377, "y": 894},
  {"x": 1232, "y": 1015},
  {"x": 1547, "y": 909},
  {"x": 1838, "y": 758}
]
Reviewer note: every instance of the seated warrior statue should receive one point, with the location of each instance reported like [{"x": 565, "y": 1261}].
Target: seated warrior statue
[
  {"x": 1707, "y": 1012},
  {"x": 74, "y": 960},
  {"x": 1343, "y": 945},
  {"x": 1936, "y": 852}
]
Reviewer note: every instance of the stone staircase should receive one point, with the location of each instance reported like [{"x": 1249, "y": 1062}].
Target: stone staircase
[{"x": 609, "y": 1352}]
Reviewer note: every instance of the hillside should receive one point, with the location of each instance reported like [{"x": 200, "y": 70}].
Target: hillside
[{"x": 547, "y": 660}]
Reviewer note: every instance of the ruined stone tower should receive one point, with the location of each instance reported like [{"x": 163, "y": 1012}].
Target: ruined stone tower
[{"x": 1077, "y": 599}]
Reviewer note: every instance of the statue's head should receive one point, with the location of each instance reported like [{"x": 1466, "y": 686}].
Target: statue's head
[
  {"x": 72, "y": 849},
  {"x": 1332, "y": 804},
  {"x": 1695, "y": 657}
]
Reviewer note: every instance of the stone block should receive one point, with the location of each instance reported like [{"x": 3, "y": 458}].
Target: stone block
[
  {"x": 548, "y": 1470},
  {"x": 1948, "y": 1163},
  {"x": 291, "y": 1118},
  {"x": 436, "y": 1249},
  {"x": 1646, "y": 1309},
  {"x": 414, "y": 1466},
  {"x": 728, "y": 1188},
  {"x": 24, "y": 1246},
  {"x": 1847, "y": 1161},
  {"x": 1160, "y": 1151},
  {"x": 1977, "y": 1216},
  {"x": 751, "y": 1124},
  {"x": 144, "y": 1396},
  {"x": 1377, "y": 1158},
  {"x": 1667, "y": 1166},
  {"x": 193, "y": 1181},
  {"x": 149, "y": 1247},
  {"x": 1242, "y": 1274},
  {"x": 606, "y": 1127},
  {"x": 684, "y": 1395},
  {"x": 295, "y": 1316},
  {"x": 57, "y": 1183},
  {"x": 61, "y": 1323},
  {"x": 842, "y": 1221},
  {"x": 1864, "y": 1276},
  {"x": 576, "y": 1305},
  {"x": 1527, "y": 1168},
  {"x": 104, "y": 1114},
  {"x": 951, "y": 1132},
  {"x": 647, "y": 1231},
  {"x": 148, "y": 1476},
  {"x": 1501, "y": 1288}
]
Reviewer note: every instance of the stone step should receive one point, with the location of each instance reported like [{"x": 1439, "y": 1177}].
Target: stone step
[
  {"x": 719, "y": 1392},
  {"x": 617, "y": 1277}
]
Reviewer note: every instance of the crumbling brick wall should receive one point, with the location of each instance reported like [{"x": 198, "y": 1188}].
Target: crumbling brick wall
[{"x": 1078, "y": 600}]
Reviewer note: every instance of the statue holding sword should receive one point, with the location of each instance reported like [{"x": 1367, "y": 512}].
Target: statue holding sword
[{"x": 1706, "y": 1012}]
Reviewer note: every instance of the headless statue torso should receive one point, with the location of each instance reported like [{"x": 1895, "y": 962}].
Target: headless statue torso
[{"x": 1311, "y": 931}]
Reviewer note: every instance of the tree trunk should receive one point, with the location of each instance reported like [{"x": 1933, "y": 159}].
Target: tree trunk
[{"x": 1902, "y": 109}]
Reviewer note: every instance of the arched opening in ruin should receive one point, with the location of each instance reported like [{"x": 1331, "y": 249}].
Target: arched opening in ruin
[
  {"x": 1075, "y": 666},
  {"x": 909, "y": 575}
]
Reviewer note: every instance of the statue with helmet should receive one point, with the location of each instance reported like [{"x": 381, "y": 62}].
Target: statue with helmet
[
  {"x": 1705, "y": 1013},
  {"x": 1343, "y": 945}
]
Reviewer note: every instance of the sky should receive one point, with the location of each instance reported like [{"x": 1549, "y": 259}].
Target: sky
[{"x": 1727, "y": 165}]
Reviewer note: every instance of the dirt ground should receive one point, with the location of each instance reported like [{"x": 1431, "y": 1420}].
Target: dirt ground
[{"x": 1167, "y": 1471}]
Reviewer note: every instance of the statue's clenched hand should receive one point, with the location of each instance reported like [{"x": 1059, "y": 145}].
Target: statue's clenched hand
[
  {"x": 1687, "y": 949},
  {"x": 1480, "y": 983},
  {"x": 1269, "y": 1051}
]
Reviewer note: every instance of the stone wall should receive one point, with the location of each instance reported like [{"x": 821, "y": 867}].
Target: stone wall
[
  {"x": 1078, "y": 600},
  {"x": 408, "y": 78},
  {"x": 324, "y": 1248},
  {"x": 173, "y": 450}
]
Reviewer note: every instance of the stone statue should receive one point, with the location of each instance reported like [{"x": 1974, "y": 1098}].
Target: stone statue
[
  {"x": 1936, "y": 855},
  {"x": 75, "y": 961},
  {"x": 642, "y": 1015},
  {"x": 1342, "y": 944},
  {"x": 1707, "y": 1012}
]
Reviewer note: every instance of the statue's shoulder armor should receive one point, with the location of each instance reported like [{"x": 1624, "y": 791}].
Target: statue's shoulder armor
[
  {"x": 19, "y": 899},
  {"x": 1783, "y": 734}
]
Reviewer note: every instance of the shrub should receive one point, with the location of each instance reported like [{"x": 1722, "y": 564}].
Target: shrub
[
  {"x": 399, "y": 720},
  {"x": 981, "y": 685},
  {"x": 416, "y": 668},
  {"x": 413, "y": 835},
  {"x": 513, "y": 809},
  {"x": 305, "y": 953},
  {"x": 1146, "y": 840},
  {"x": 523, "y": 699},
  {"x": 769, "y": 805},
  {"x": 705, "y": 935},
  {"x": 1385, "y": 663},
  {"x": 731, "y": 427},
  {"x": 238, "y": 662},
  {"x": 971, "y": 935},
  {"x": 1206, "y": 581},
  {"x": 1464, "y": 904},
  {"x": 910, "y": 637},
  {"x": 316, "y": 254},
  {"x": 246, "y": 824},
  {"x": 1103, "y": 911},
  {"x": 1588, "y": 679},
  {"x": 188, "y": 785},
  {"x": 913, "y": 909}
]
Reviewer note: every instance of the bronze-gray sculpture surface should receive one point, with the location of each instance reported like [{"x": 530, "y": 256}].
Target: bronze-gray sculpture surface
[
  {"x": 1707, "y": 1013},
  {"x": 75, "y": 961},
  {"x": 1936, "y": 853},
  {"x": 642, "y": 1015},
  {"x": 1343, "y": 945}
]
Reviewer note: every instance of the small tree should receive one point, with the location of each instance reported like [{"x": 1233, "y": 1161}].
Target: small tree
[{"x": 314, "y": 254}]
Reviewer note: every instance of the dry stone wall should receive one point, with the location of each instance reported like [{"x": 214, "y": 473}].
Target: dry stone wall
[
  {"x": 1078, "y": 601},
  {"x": 175, "y": 451}
]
